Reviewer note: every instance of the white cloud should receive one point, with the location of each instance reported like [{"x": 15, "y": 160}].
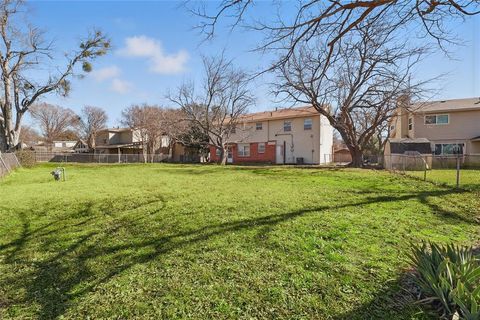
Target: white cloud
[
  {"x": 106, "y": 73},
  {"x": 121, "y": 86},
  {"x": 160, "y": 62}
]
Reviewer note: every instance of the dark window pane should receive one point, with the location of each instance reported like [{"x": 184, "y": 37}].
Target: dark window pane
[{"x": 430, "y": 119}]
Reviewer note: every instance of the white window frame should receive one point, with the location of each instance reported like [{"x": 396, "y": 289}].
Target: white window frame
[
  {"x": 263, "y": 149},
  {"x": 259, "y": 126},
  {"x": 218, "y": 152},
  {"x": 436, "y": 119},
  {"x": 410, "y": 124},
  {"x": 241, "y": 148},
  {"x": 310, "y": 125},
  {"x": 289, "y": 125}
]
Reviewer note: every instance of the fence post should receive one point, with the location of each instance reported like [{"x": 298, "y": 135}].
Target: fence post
[
  {"x": 458, "y": 171},
  {"x": 16, "y": 159}
]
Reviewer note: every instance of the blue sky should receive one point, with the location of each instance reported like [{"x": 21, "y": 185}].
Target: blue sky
[{"x": 155, "y": 49}]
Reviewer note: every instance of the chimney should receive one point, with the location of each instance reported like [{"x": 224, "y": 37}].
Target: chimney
[{"x": 403, "y": 113}]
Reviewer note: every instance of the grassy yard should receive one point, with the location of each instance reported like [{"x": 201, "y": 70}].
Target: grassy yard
[
  {"x": 205, "y": 242},
  {"x": 469, "y": 178}
]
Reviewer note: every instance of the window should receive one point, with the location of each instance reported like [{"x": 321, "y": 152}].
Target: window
[
  {"x": 449, "y": 148},
  {"x": 307, "y": 124},
  {"x": 218, "y": 152},
  {"x": 258, "y": 126},
  {"x": 287, "y": 126},
  {"x": 392, "y": 127},
  {"x": 243, "y": 150},
  {"x": 437, "y": 119},
  {"x": 261, "y": 147},
  {"x": 410, "y": 123},
  {"x": 234, "y": 130}
]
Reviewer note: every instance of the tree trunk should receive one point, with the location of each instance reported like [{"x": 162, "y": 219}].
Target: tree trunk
[
  {"x": 357, "y": 157},
  {"x": 223, "y": 157},
  {"x": 14, "y": 138},
  {"x": 91, "y": 141},
  {"x": 3, "y": 139},
  {"x": 355, "y": 150}
]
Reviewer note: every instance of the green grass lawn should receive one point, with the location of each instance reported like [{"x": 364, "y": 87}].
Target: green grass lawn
[
  {"x": 206, "y": 242},
  {"x": 469, "y": 178}
]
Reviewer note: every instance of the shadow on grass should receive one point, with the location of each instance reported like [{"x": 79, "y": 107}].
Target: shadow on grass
[
  {"x": 397, "y": 299},
  {"x": 54, "y": 282}
]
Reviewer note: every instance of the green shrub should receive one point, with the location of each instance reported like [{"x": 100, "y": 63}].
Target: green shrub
[
  {"x": 26, "y": 158},
  {"x": 449, "y": 277}
]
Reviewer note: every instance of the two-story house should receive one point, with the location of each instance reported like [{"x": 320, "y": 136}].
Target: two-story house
[
  {"x": 285, "y": 136},
  {"x": 451, "y": 126},
  {"x": 126, "y": 141},
  {"x": 118, "y": 141}
]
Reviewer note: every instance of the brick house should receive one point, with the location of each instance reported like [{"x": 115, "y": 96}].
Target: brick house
[{"x": 285, "y": 136}]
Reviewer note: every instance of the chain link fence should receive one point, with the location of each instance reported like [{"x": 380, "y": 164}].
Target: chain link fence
[
  {"x": 99, "y": 158},
  {"x": 8, "y": 162},
  {"x": 461, "y": 171}
]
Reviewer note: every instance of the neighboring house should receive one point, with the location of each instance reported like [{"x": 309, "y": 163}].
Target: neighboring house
[
  {"x": 286, "y": 136},
  {"x": 64, "y": 146},
  {"x": 451, "y": 126},
  {"x": 342, "y": 155},
  {"x": 178, "y": 152},
  {"x": 128, "y": 141},
  {"x": 81, "y": 147},
  {"x": 118, "y": 141}
]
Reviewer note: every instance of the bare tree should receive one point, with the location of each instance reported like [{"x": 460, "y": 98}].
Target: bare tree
[
  {"x": 336, "y": 19},
  {"x": 180, "y": 130},
  {"x": 147, "y": 120},
  {"x": 92, "y": 120},
  {"x": 23, "y": 48},
  {"x": 54, "y": 122},
  {"x": 29, "y": 135},
  {"x": 223, "y": 98},
  {"x": 359, "y": 90}
]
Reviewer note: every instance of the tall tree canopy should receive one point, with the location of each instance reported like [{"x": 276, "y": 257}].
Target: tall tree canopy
[
  {"x": 147, "y": 120},
  {"x": 92, "y": 120},
  {"x": 336, "y": 19},
  {"x": 358, "y": 89},
  {"x": 55, "y": 122},
  {"x": 23, "y": 48}
]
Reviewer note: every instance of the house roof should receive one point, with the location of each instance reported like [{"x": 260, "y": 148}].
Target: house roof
[
  {"x": 286, "y": 113},
  {"x": 476, "y": 138},
  {"x": 409, "y": 140},
  {"x": 116, "y": 130},
  {"x": 80, "y": 141},
  {"x": 447, "y": 105},
  {"x": 120, "y": 145}
]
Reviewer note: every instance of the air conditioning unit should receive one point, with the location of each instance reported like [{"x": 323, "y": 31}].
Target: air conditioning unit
[{"x": 300, "y": 160}]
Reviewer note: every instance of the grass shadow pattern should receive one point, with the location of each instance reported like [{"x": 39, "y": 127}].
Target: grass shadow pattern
[{"x": 171, "y": 254}]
